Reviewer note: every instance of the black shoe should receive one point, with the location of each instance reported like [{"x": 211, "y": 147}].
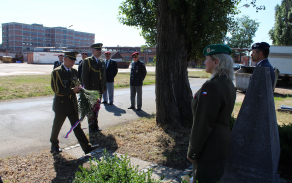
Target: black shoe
[
  {"x": 99, "y": 129},
  {"x": 131, "y": 107},
  {"x": 111, "y": 103},
  {"x": 56, "y": 149},
  {"x": 139, "y": 109},
  {"x": 91, "y": 148},
  {"x": 104, "y": 102}
]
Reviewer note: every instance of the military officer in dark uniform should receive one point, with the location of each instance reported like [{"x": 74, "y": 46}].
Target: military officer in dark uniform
[
  {"x": 84, "y": 56},
  {"x": 111, "y": 72},
  {"x": 212, "y": 107},
  {"x": 94, "y": 78},
  {"x": 58, "y": 63},
  {"x": 65, "y": 85},
  {"x": 260, "y": 53},
  {"x": 138, "y": 73}
]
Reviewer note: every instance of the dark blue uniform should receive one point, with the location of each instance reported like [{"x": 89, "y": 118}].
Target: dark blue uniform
[
  {"x": 266, "y": 63},
  {"x": 138, "y": 73}
]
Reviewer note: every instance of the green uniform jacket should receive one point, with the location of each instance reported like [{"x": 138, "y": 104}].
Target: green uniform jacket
[
  {"x": 62, "y": 83},
  {"x": 212, "y": 107},
  {"x": 93, "y": 74}
]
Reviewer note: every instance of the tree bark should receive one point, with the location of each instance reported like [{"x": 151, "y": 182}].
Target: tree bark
[{"x": 173, "y": 93}]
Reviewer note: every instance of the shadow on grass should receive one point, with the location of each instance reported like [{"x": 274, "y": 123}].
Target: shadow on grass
[
  {"x": 65, "y": 169},
  {"x": 176, "y": 146}
]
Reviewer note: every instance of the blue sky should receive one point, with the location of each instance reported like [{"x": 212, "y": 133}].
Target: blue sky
[{"x": 100, "y": 17}]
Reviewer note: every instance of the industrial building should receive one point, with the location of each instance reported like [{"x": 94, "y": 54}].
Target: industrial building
[{"x": 19, "y": 37}]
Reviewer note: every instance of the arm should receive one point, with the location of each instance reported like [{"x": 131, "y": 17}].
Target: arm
[
  {"x": 115, "y": 68},
  {"x": 144, "y": 71},
  {"x": 85, "y": 74},
  {"x": 205, "y": 116},
  {"x": 59, "y": 87}
]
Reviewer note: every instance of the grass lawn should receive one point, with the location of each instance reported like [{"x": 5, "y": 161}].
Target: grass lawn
[{"x": 15, "y": 87}]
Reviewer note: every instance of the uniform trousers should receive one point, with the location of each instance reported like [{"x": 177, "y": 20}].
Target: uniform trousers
[
  {"x": 208, "y": 171},
  {"x": 109, "y": 92},
  {"x": 134, "y": 90},
  {"x": 57, "y": 125}
]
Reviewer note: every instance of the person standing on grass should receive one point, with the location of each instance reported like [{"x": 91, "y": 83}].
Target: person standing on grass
[
  {"x": 59, "y": 62},
  {"x": 138, "y": 74},
  {"x": 212, "y": 106},
  {"x": 111, "y": 72},
  {"x": 94, "y": 78},
  {"x": 64, "y": 83}
]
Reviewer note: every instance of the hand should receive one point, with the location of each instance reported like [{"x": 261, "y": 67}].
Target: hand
[
  {"x": 76, "y": 89},
  {"x": 193, "y": 161},
  {"x": 103, "y": 92}
]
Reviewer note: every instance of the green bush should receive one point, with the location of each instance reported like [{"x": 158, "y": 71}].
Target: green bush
[
  {"x": 114, "y": 170},
  {"x": 285, "y": 135}
]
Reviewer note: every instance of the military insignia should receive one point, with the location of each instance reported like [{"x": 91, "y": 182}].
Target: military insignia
[
  {"x": 204, "y": 93},
  {"x": 208, "y": 50}
]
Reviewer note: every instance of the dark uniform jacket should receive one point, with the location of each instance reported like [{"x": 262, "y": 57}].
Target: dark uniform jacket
[
  {"x": 93, "y": 74},
  {"x": 57, "y": 64},
  {"x": 266, "y": 63},
  {"x": 111, "y": 71},
  {"x": 62, "y": 83},
  {"x": 138, "y": 73},
  {"x": 212, "y": 107},
  {"x": 80, "y": 71}
]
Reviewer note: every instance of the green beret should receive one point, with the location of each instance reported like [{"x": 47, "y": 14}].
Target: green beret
[
  {"x": 71, "y": 54},
  {"x": 96, "y": 46},
  {"x": 217, "y": 48}
]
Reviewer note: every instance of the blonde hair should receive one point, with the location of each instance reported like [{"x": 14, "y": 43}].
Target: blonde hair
[{"x": 224, "y": 67}]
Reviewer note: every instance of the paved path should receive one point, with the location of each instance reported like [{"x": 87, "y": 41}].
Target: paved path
[{"x": 26, "y": 123}]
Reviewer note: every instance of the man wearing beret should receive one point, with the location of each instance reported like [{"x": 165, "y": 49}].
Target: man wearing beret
[
  {"x": 64, "y": 83},
  {"x": 84, "y": 56},
  {"x": 111, "y": 72},
  {"x": 138, "y": 73},
  {"x": 260, "y": 53},
  {"x": 58, "y": 63},
  {"x": 94, "y": 78}
]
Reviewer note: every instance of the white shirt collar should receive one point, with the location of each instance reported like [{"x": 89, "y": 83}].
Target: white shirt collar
[{"x": 66, "y": 68}]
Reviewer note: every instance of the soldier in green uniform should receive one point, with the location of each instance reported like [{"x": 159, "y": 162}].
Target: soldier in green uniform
[
  {"x": 94, "y": 78},
  {"x": 65, "y": 85},
  {"x": 212, "y": 107}
]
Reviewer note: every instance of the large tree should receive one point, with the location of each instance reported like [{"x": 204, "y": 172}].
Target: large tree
[
  {"x": 243, "y": 32},
  {"x": 281, "y": 33},
  {"x": 180, "y": 30}
]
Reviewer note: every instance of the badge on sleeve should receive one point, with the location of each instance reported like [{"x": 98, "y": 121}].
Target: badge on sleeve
[{"x": 204, "y": 93}]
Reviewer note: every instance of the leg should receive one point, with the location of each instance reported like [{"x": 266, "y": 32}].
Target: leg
[
  {"x": 81, "y": 137},
  {"x": 210, "y": 172},
  {"x": 104, "y": 95},
  {"x": 110, "y": 88},
  {"x": 139, "y": 96},
  {"x": 57, "y": 125},
  {"x": 133, "y": 95}
]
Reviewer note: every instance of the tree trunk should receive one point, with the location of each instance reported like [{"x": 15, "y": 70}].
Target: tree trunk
[{"x": 173, "y": 93}]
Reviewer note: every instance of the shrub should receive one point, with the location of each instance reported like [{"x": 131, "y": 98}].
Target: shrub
[
  {"x": 285, "y": 135},
  {"x": 112, "y": 170}
]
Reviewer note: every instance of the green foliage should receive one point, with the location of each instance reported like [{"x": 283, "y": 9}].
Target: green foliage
[
  {"x": 87, "y": 99},
  {"x": 202, "y": 22},
  {"x": 112, "y": 170},
  {"x": 285, "y": 135},
  {"x": 281, "y": 32},
  {"x": 243, "y": 32}
]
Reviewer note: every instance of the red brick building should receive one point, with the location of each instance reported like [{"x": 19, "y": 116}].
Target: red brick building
[
  {"x": 19, "y": 37},
  {"x": 146, "y": 56}
]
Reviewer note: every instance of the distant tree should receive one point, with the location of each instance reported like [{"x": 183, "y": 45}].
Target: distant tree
[
  {"x": 281, "y": 33},
  {"x": 242, "y": 34}
]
